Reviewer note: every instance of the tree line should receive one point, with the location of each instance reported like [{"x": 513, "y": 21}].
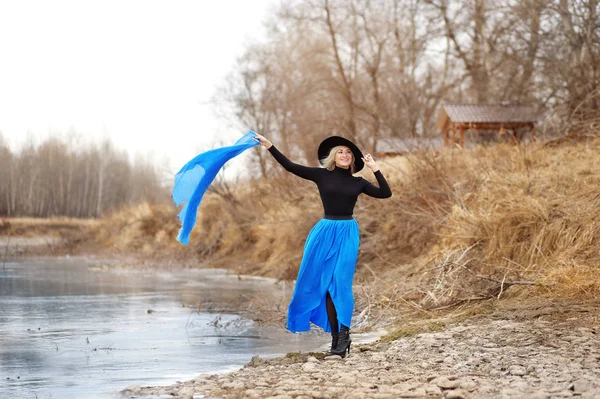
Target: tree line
[
  {"x": 363, "y": 69},
  {"x": 55, "y": 178},
  {"x": 368, "y": 69}
]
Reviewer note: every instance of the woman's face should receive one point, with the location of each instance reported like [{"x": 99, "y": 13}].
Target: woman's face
[{"x": 343, "y": 157}]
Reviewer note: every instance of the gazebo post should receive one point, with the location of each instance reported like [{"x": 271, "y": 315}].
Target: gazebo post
[
  {"x": 446, "y": 137},
  {"x": 462, "y": 136},
  {"x": 532, "y": 133}
]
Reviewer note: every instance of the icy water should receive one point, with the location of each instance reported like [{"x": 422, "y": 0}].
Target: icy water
[{"x": 71, "y": 329}]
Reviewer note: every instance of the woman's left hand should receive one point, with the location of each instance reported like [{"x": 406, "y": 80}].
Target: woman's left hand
[{"x": 370, "y": 162}]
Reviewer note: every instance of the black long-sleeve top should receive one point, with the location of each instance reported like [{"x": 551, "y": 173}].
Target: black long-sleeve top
[{"x": 338, "y": 188}]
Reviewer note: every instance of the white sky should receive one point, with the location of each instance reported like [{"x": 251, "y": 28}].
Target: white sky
[{"x": 140, "y": 72}]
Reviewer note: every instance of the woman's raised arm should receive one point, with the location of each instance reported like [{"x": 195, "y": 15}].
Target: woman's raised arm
[{"x": 305, "y": 172}]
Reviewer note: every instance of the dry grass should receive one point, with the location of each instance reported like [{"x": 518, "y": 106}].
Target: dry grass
[
  {"x": 495, "y": 218},
  {"x": 257, "y": 229},
  {"x": 462, "y": 226},
  {"x": 35, "y": 227},
  {"x": 143, "y": 229},
  {"x": 28, "y": 221}
]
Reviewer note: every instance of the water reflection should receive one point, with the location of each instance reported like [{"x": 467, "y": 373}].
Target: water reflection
[{"x": 71, "y": 330}]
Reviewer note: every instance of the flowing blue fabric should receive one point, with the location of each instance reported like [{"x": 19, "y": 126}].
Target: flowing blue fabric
[
  {"x": 192, "y": 181},
  {"x": 328, "y": 264}
]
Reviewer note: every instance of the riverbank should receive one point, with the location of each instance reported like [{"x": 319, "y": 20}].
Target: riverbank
[
  {"x": 461, "y": 226},
  {"x": 466, "y": 233},
  {"x": 548, "y": 350}
]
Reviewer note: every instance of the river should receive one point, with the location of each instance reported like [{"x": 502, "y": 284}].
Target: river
[{"x": 72, "y": 328}]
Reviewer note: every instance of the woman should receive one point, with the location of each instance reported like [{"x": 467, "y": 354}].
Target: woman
[{"x": 323, "y": 292}]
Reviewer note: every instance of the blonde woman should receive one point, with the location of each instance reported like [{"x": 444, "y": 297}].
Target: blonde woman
[{"x": 323, "y": 291}]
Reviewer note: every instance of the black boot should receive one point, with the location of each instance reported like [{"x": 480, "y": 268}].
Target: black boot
[
  {"x": 335, "y": 336},
  {"x": 343, "y": 343}
]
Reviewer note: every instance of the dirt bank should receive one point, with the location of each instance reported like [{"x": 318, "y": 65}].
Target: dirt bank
[
  {"x": 541, "y": 351},
  {"x": 11, "y": 246}
]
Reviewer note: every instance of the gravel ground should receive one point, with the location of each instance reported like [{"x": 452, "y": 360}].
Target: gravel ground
[{"x": 548, "y": 355}]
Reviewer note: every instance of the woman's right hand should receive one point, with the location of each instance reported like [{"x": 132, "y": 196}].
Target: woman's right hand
[{"x": 263, "y": 141}]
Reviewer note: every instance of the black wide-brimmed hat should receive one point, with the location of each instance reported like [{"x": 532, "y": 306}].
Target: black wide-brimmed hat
[{"x": 333, "y": 141}]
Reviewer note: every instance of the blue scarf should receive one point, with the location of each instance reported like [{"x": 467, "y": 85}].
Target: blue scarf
[{"x": 192, "y": 181}]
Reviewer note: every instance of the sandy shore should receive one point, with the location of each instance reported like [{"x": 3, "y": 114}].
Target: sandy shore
[
  {"x": 553, "y": 352},
  {"x": 11, "y": 246}
]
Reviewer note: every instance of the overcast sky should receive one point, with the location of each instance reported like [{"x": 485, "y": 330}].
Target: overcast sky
[{"x": 141, "y": 72}]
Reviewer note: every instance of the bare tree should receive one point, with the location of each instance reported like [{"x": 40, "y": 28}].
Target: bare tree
[
  {"x": 367, "y": 69},
  {"x": 54, "y": 179}
]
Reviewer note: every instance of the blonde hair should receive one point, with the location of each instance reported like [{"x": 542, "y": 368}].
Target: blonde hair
[{"x": 329, "y": 161}]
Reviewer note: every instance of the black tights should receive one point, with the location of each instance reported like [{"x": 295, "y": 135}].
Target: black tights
[{"x": 331, "y": 313}]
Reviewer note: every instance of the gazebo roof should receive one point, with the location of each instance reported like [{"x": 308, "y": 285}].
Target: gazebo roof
[{"x": 470, "y": 113}]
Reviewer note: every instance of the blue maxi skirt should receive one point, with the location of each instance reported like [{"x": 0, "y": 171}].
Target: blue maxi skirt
[{"x": 328, "y": 264}]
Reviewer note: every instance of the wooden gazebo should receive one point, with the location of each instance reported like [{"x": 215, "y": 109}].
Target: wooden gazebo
[{"x": 454, "y": 120}]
